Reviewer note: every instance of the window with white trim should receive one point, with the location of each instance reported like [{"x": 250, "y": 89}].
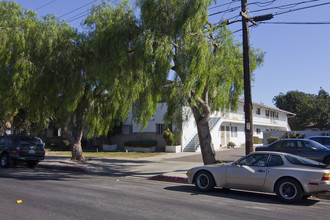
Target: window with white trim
[{"x": 233, "y": 132}]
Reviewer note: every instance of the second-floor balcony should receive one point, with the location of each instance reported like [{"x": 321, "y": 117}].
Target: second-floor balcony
[{"x": 257, "y": 119}]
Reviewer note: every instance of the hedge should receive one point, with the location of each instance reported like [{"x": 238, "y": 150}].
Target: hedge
[{"x": 141, "y": 143}]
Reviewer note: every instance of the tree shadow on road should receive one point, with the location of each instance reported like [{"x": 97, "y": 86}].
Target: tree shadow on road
[
  {"x": 240, "y": 195},
  {"x": 22, "y": 173}
]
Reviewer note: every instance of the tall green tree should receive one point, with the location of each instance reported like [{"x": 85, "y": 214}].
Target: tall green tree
[
  {"x": 205, "y": 61},
  {"x": 108, "y": 75},
  {"x": 321, "y": 110},
  {"x": 19, "y": 43},
  {"x": 84, "y": 82},
  {"x": 311, "y": 110}
]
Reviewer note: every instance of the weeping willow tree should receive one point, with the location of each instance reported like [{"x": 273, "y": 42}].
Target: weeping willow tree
[
  {"x": 205, "y": 61},
  {"x": 88, "y": 81}
]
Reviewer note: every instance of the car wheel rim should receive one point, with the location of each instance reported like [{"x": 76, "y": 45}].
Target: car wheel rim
[
  {"x": 288, "y": 190},
  {"x": 3, "y": 161},
  {"x": 203, "y": 181}
]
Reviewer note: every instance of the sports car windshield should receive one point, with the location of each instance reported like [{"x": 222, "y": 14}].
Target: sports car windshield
[{"x": 303, "y": 161}]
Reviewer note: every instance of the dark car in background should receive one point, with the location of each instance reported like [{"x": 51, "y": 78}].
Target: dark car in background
[
  {"x": 16, "y": 148},
  {"x": 324, "y": 140},
  {"x": 302, "y": 147}
]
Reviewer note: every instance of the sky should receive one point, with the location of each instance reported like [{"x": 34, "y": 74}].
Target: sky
[{"x": 296, "y": 55}]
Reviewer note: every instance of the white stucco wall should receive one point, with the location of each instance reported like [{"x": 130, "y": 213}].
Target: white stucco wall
[{"x": 229, "y": 119}]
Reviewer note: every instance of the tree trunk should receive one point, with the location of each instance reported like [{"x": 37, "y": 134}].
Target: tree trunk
[
  {"x": 75, "y": 140},
  {"x": 204, "y": 135},
  {"x": 75, "y": 143},
  {"x": 205, "y": 141}
]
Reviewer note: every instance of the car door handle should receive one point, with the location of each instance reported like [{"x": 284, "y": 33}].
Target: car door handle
[{"x": 261, "y": 171}]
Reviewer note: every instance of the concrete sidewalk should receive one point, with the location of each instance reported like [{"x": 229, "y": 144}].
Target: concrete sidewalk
[{"x": 143, "y": 167}]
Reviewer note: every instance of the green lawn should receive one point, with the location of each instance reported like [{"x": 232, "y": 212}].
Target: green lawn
[{"x": 130, "y": 155}]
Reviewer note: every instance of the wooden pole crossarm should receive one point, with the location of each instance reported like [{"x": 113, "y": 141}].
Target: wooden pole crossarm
[{"x": 248, "y": 18}]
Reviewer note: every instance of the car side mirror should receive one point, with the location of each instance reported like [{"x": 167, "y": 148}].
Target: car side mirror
[{"x": 237, "y": 164}]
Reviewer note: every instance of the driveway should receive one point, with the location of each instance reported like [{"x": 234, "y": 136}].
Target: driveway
[{"x": 224, "y": 155}]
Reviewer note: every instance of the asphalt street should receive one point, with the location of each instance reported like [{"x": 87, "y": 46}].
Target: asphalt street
[{"x": 53, "y": 194}]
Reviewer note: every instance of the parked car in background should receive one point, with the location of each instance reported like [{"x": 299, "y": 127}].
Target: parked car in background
[
  {"x": 16, "y": 148},
  {"x": 302, "y": 147},
  {"x": 324, "y": 140},
  {"x": 291, "y": 177}
]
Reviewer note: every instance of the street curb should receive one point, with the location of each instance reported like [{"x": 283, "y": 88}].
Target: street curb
[
  {"x": 65, "y": 168},
  {"x": 324, "y": 195},
  {"x": 75, "y": 169},
  {"x": 169, "y": 179}
]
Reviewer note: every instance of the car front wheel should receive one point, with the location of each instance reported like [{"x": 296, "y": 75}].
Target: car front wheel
[
  {"x": 4, "y": 160},
  {"x": 289, "y": 190},
  {"x": 204, "y": 181}
]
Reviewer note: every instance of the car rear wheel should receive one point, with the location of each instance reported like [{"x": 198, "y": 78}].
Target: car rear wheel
[
  {"x": 4, "y": 160},
  {"x": 289, "y": 190},
  {"x": 204, "y": 181}
]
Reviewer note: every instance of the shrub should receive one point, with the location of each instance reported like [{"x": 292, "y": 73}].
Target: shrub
[
  {"x": 272, "y": 139},
  {"x": 141, "y": 143},
  {"x": 288, "y": 135},
  {"x": 257, "y": 140},
  {"x": 169, "y": 137},
  {"x": 231, "y": 144}
]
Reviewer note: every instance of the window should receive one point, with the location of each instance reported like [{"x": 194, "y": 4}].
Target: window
[
  {"x": 326, "y": 141},
  {"x": 289, "y": 144},
  {"x": 127, "y": 129},
  {"x": 303, "y": 161},
  {"x": 267, "y": 113},
  {"x": 275, "y": 160},
  {"x": 283, "y": 145},
  {"x": 233, "y": 131},
  {"x": 257, "y": 160},
  {"x": 258, "y": 130},
  {"x": 258, "y": 111},
  {"x": 271, "y": 114},
  {"x": 160, "y": 128}
]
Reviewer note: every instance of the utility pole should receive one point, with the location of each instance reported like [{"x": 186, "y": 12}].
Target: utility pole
[{"x": 247, "y": 80}]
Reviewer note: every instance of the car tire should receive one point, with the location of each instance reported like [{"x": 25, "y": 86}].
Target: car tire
[
  {"x": 204, "y": 181},
  {"x": 327, "y": 161},
  {"x": 32, "y": 163},
  {"x": 4, "y": 160},
  {"x": 289, "y": 190}
]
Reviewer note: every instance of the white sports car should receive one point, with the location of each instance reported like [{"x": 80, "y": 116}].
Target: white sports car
[{"x": 291, "y": 177}]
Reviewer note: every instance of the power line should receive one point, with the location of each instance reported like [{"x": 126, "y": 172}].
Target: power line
[
  {"x": 76, "y": 17},
  {"x": 44, "y": 5},
  {"x": 289, "y": 23},
  {"x": 83, "y": 14},
  {"x": 288, "y": 11},
  {"x": 225, "y": 11},
  {"x": 77, "y": 8},
  {"x": 292, "y": 5},
  {"x": 265, "y": 9},
  {"x": 297, "y": 9},
  {"x": 262, "y": 4},
  {"x": 301, "y": 23},
  {"x": 218, "y": 6}
]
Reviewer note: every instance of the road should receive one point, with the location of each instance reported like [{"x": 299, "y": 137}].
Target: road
[{"x": 51, "y": 194}]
